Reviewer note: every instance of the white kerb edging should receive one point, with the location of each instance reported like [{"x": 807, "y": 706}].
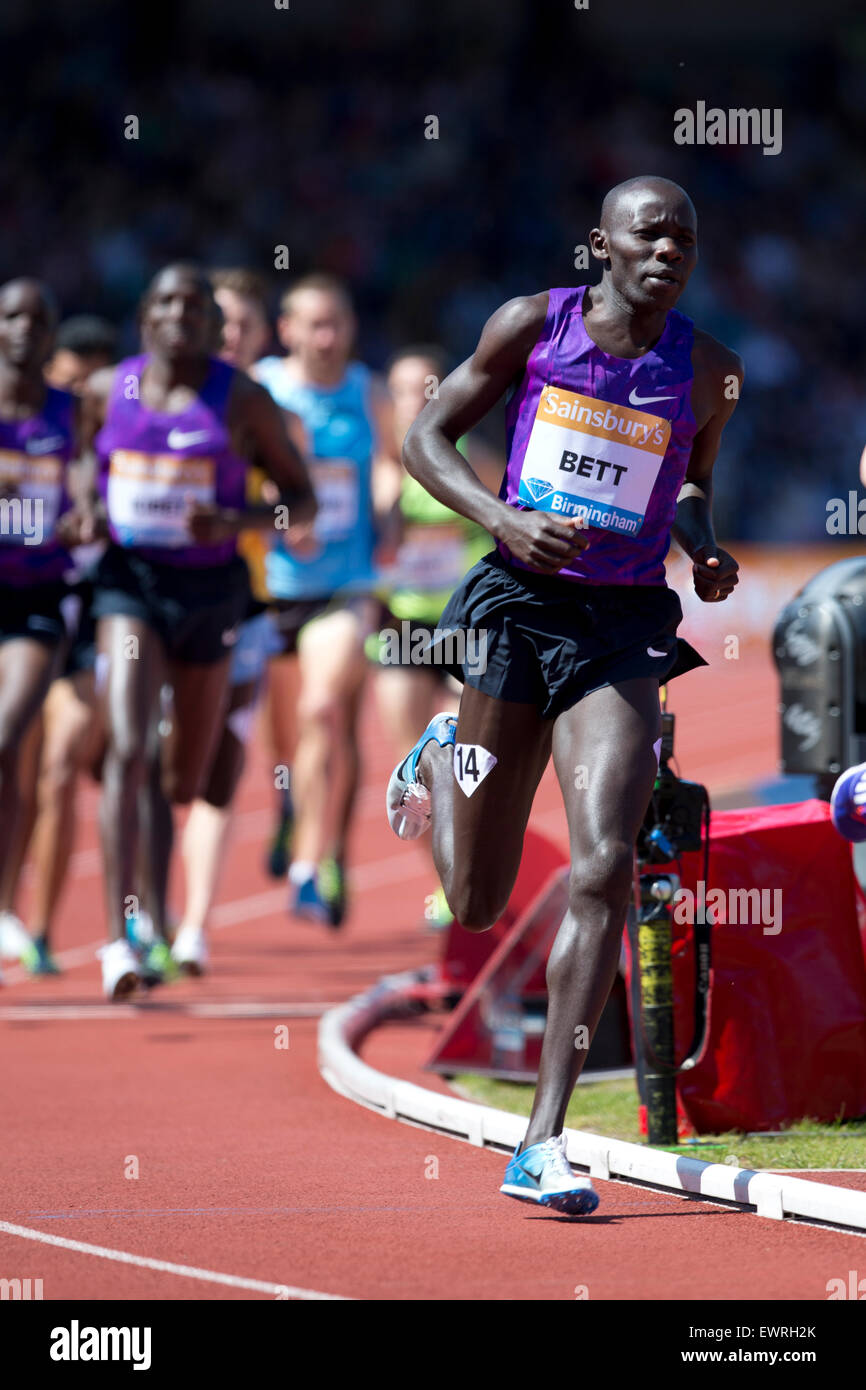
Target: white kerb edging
[{"x": 772, "y": 1195}]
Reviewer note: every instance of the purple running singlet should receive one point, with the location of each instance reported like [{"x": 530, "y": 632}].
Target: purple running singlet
[
  {"x": 34, "y": 457},
  {"x": 152, "y": 463},
  {"x": 605, "y": 438}
]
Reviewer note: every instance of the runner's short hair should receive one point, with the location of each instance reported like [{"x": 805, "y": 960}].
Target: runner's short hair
[
  {"x": 321, "y": 280},
  {"x": 246, "y": 283},
  {"x": 428, "y": 352},
  {"x": 87, "y": 335}
]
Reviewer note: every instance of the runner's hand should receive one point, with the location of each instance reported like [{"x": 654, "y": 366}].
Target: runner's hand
[
  {"x": 715, "y": 573},
  {"x": 301, "y": 540},
  {"x": 82, "y": 525},
  {"x": 546, "y": 542},
  {"x": 208, "y": 525}
]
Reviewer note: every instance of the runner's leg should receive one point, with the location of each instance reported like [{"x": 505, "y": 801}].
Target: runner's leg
[
  {"x": 205, "y": 833},
  {"x": 156, "y": 830},
  {"x": 200, "y": 697},
  {"x": 72, "y": 733},
  {"x": 606, "y": 765},
  {"x": 333, "y": 669},
  {"x": 478, "y": 839},
  {"x": 29, "y": 754},
  {"x": 26, "y": 668},
  {"x": 130, "y": 697}
]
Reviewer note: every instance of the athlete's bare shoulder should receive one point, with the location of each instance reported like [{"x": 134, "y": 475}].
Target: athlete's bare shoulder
[
  {"x": 248, "y": 397},
  {"x": 99, "y": 383},
  {"x": 519, "y": 318},
  {"x": 714, "y": 359},
  {"x": 509, "y": 336},
  {"x": 717, "y": 377},
  {"x": 94, "y": 401}
]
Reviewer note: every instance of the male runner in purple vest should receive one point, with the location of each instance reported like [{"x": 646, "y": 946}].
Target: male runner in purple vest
[
  {"x": 173, "y": 431},
  {"x": 38, "y": 428},
  {"x": 614, "y": 417}
]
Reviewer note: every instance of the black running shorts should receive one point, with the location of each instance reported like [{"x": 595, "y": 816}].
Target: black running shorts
[
  {"x": 541, "y": 640},
  {"x": 32, "y": 611},
  {"x": 196, "y": 611}
]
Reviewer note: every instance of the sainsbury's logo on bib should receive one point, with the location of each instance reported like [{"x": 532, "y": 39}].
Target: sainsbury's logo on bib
[{"x": 592, "y": 459}]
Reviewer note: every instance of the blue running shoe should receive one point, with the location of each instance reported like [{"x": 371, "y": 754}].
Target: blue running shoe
[
  {"x": 307, "y": 902},
  {"x": 408, "y": 800},
  {"x": 848, "y": 804},
  {"x": 543, "y": 1174}
]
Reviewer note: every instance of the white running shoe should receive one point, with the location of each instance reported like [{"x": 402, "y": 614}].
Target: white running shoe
[
  {"x": 543, "y": 1174},
  {"x": 408, "y": 802},
  {"x": 14, "y": 936},
  {"x": 190, "y": 950},
  {"x": 120, "y": 969}
]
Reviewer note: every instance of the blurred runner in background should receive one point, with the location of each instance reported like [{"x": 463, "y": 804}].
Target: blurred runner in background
[
  {"x": 66, "y": 735},
  {"x": 244, "y": 334},
  {"x": 437, "y": 547},
  {"x": 38, "y": 429},
  {"x": 173, "y": 430},
  {"x": 324, "y": 592}
]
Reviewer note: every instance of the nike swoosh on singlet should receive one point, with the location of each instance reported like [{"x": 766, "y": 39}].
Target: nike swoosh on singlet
[
  {"x": 651, "y": 651},
  {"x": 178, "y": 439},
  {"x": 635, "y": 399}
]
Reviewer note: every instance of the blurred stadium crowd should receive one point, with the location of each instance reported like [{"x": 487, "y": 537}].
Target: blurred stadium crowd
[{"x": 323, "y": 151}]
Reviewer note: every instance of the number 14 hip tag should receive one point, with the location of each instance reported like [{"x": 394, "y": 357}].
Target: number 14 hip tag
[{"x": 471, "y": 765}]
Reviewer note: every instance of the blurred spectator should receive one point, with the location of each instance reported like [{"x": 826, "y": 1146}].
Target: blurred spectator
[{"x": 260, "y": 129}]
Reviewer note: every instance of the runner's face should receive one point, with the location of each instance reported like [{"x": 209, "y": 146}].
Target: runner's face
[
  {"x": 408, "y": 382},
  {"x": 319, "y": 331},
  {"x": 178, "y": 317},
  {"x": 26, "y": 326},
  {"x": 69, "y": 371},
  {"x": 653, "y": 248},
  {"x": 245, "y": 334}
]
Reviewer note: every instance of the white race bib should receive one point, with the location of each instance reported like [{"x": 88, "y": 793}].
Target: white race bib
[
  {"x": 31, "y": 488},
  {"x": 335, "y": 483},
  {"x": 149, "y": 496},
  {"x": 591, "y": 459},
  {"x": 431, "y": 557}
]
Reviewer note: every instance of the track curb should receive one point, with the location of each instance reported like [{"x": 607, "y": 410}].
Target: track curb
[{"x": 342, "y": 1030}]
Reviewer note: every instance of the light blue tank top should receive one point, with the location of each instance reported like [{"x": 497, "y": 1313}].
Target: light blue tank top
[{"x": 339, "y": 425}]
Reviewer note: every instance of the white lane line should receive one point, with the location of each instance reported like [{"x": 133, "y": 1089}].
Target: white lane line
[
  {"x": 54, "y": 1013},
  {"x": 396, "y": 868},
  {"x": 234, "y": 1281}
]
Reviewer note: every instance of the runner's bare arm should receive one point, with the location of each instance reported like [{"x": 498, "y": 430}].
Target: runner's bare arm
[
  {"x": 87, "y": 522},
  {"x": 539, "y": 539},
  {"x": 269, "y": 443},
  {"x": 387, "y": 473},
  {"x": 718, "y": 378}
]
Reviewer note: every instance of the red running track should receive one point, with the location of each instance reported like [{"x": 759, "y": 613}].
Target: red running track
[{"x": 251, "y": 1169}]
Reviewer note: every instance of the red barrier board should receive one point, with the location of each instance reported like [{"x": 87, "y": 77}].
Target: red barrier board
[
  {"x": 787, "y": 1034},
  {"x": 787, "y": 1037}
]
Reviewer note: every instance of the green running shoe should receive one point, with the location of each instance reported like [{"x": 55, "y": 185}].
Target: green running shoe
[
  {"x": 280, "y": 853},
  {"x": 38, "y": 960},
  {"x": 331, "y": 880},
  {"x": 158, "y": 966}
]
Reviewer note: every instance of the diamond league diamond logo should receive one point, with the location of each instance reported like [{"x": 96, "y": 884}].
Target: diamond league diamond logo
[{"x": 538, "y": 488}]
